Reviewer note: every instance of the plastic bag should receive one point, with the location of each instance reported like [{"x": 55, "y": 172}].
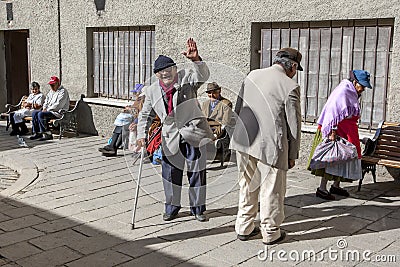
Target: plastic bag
[
  {"x": 332, "y": 152},
  {"x": 157, "y": 156}
]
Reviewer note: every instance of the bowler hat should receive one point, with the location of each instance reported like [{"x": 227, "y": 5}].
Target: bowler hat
[
  {"x": 363, "y": 78},
  {"x": 212, "y": 86},
  {"x": 163, "y": 62},
  {"x": 291, "y": 54}
]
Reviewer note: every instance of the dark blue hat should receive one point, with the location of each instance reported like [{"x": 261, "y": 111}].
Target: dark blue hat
[
  {"x": 362, "y": 77},
  {"x": 163, "y": 62}
]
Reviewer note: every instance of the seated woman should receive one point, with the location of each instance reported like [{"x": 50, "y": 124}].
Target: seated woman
[
  {"x": 124, "y": 123},
  {"x": 34, "y": 101}
]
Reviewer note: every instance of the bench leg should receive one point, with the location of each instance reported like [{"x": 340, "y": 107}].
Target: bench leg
[
  {"x": 61, "y": 132},
  {"x": 373, "y": 171},
  {"x": 361, "y": 180},
  {"x": 8, "y": 123}
]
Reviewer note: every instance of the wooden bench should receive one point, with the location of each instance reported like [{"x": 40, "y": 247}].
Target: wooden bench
[
  {"x": 67, "y": 122},
  {"x": 383, "y": 149}
]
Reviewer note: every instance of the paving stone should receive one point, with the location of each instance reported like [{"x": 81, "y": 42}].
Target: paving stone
[
  {"x": 58, "y": 239},
  {"x": 347, "y": 224},
  {"x": 243, "y": 251},
  {"x": 142, "y": 246},
  {"x": 370, "y": 212},
  {"x": 102, "y": 258},
  {"x": 56, "y": 225},
  {"x": 187, "y": 249},
  {"x": 19, "y": 235},
  {"x": 20, "y": 212},
  {"x": 22, "y": 222},
  {"x": 153, "y": 259},
  {"x": 4, "y": 217},
  {"x": 298, "y": 223},
  {"x": 203, "y": 260},
  {"x": 53, "y": 257},
  {"x": 384, "y": 224},
  {"x": 94, "y": 244},
  {"x": 370, "y": 241},
  {"x": 19, "y": 250},
  {"x": 395, "y": 214}
]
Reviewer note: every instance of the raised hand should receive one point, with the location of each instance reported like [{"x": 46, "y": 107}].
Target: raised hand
[{"x": 191, "y": 50}]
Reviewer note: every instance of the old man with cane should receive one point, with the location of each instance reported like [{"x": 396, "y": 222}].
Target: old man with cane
[{"x": 173, "y": 97}]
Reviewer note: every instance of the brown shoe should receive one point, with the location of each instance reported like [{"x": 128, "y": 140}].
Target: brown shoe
[{"x": 324, "y": 194}]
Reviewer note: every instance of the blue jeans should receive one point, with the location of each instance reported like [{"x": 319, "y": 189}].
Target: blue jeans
[{"x": 40, "y": 121}]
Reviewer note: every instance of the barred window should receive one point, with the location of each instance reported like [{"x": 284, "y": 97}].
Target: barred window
[
  {"x": 330, "y": 50},
  {"x": 122, "y": 57}
]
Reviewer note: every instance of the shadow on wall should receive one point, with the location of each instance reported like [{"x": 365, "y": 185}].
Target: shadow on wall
[{"x": 85, "y": 119}]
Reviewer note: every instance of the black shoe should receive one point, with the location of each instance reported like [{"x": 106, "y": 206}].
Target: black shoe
[
  {"x": 283, "y": 235},
  {"x": 339, "y": 191},
  {"x": 169, "y": 217},
  {"x": 46, "y": 137},
  {"x": 324, "y": 194},
  {"x": 200, "y": 217},
  {"x": 35, "y": 136},
  {"x": 15, "y": 132},
  {"x": 255, "y": 232},
  {"x": 106, "y": 149}
]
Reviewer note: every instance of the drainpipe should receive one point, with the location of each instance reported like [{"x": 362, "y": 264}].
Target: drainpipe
[{"x": 59, "y": 40}]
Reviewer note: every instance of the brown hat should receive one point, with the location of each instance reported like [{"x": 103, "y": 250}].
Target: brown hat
[
  {"x": 291, "y": 54},
  {"x": 212, "y": 86}
]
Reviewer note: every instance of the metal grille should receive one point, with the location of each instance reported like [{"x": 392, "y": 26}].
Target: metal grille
[
  {"x": 122, "y": 57},
  {"x": 10, "y": 13},
  {"x": 330, "y": 50}
]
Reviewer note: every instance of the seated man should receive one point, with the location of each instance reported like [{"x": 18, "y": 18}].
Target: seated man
[
  {"x": 56, "y": 101},
  {"x": 34, "y": 101},
  {"x": 217, "y": 109}
]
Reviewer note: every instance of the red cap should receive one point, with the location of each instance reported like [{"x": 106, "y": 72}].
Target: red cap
[{"x": 53, "y": 80}]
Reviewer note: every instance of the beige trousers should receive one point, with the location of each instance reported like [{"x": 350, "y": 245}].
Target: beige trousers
[{"x": 260, "y": 180}]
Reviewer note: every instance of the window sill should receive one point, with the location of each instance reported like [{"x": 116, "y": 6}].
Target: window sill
[{"x": 107, "y": 102}]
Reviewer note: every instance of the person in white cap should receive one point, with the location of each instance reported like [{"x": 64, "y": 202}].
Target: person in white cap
[{"x": 56, "y": 101}]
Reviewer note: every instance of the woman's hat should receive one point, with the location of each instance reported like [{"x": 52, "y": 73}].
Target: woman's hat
[
  {"x": 137, "y": 89},
  {"x": 362, "y": 77}
]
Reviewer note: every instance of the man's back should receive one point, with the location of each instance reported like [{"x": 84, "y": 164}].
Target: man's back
[{"x": 268, "y": 103}]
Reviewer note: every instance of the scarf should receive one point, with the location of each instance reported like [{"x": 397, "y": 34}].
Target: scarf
[
  {"x": 169, "y": 92},
  {"x": 341, "y": 104}
]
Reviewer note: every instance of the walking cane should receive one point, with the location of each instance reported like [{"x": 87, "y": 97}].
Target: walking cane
[{"x": 137, "y": 186}]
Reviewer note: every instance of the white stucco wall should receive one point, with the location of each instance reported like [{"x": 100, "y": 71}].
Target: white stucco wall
[{"x": 221, "y": 28}]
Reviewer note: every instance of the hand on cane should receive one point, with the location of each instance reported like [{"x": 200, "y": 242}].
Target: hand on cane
[{"x": 139, "y": 144}]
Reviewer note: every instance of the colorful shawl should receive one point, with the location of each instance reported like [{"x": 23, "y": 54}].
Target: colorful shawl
[{"x": 341, "y": 104}]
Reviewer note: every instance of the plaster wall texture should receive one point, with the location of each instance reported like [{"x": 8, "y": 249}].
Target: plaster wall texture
[{"x": 221, "y": 28}]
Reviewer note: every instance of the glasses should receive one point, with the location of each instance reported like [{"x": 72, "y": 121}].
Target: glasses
[{"x": 167, "y": 70}]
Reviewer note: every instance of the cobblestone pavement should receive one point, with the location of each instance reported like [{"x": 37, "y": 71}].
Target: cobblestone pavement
[{"x": 78, "y": 209}]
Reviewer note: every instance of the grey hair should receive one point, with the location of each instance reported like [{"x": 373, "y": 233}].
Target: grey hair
[{"x": 285, "y": 62}]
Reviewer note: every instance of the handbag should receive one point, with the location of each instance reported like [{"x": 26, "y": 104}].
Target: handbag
[
  {"x": 191, "y": 122},
  {"x": 330, "y": 152}
]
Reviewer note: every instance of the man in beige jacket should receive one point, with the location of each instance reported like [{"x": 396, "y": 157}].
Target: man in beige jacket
[{"x": 267, "y": 141}]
